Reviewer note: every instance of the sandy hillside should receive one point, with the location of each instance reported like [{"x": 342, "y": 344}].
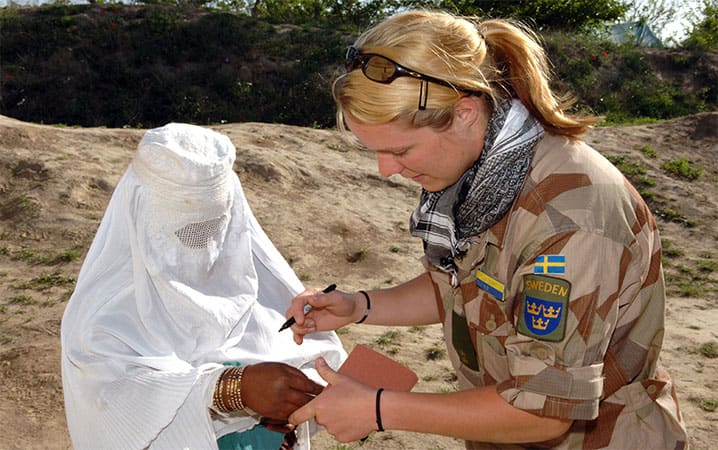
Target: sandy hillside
[{"x": 335, "y": 220}]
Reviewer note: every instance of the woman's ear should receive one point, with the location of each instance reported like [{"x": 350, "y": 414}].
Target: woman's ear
[{"x": 468, "y": 110}]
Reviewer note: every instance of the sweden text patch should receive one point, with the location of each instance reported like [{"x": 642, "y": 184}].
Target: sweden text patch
[
  {"x": 543, "y": 309},
  {"x": 490, "y": 285}
]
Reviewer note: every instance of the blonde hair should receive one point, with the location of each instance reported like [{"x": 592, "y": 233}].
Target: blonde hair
[{"x": 499, "y": 58}]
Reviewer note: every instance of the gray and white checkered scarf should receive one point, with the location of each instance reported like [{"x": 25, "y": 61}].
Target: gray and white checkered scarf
[{"x": 446, "y": 219}]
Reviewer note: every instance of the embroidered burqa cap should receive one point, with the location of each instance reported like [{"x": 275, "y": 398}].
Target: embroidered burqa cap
[{"x": 180, "y": 278}]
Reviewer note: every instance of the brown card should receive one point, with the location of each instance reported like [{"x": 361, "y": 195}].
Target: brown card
[{"x": 378, "y": 371}]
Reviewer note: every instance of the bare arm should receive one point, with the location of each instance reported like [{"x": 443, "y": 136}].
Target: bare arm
[
  {"x": 347, "y": 410},
  {"x": 479, "y": 414},
  {"x": 410, "y": 303}
]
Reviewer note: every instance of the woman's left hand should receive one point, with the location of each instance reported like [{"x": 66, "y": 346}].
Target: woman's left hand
[{"x": 346, "y": 408}]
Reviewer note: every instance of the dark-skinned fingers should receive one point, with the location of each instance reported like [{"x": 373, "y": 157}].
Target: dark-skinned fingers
[
  {"x": 290, "y": 402},
  {"x": 278, "y": 425},
  {"x": 306, "y": 385},
  {"x": 280, "y": 428},
  {"x": 316, "y": 389},
  {"x": 268, "y": 421},
  {"x": 287, "y": 374}
]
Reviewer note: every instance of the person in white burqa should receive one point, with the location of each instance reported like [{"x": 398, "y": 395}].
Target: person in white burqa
[{"x": 179, "y": 285}]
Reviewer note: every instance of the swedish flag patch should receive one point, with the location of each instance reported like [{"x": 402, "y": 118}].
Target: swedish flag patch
[
  {"x": 550, "y": 264},
  {"x": 490, "y": 285},
  {"x": 543, "y": 308}
]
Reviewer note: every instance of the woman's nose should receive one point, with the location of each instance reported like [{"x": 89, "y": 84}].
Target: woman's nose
[{"x": 388, "y": 165}]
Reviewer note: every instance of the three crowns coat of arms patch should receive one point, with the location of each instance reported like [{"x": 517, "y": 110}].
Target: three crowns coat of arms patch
[{"x": 543, "y": 307}]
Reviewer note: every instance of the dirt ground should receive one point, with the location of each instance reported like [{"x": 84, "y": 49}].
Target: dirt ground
[{"x": 336, "y": 220}]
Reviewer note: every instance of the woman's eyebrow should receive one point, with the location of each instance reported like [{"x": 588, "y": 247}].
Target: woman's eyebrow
[{"x": 400, "y": 149}]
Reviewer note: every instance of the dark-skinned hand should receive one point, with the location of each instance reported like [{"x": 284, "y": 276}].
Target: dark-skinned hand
[
  {"x": 279, "y": 426},
  {"x": 275, "y": 390}
]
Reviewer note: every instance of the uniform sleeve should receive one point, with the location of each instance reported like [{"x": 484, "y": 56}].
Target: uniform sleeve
[{"x": 565, "y": 314}]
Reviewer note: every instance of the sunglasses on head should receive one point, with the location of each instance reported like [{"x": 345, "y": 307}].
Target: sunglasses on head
[{"x": 384, "y": 70}]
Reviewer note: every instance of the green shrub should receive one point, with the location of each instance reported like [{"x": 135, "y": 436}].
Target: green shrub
[
  {"x": 703, "y": 34},
  {"x": 670, "y": 215},
  {"x": 707, "y": 404},
  {"x": 648, "y": 151},
  {"x": 708, "y": 266},
  {"x": 119, "y": 65},
  {"x": 125, "y": 65},
  {"x": 683, "y": 169},
  {"x": 21, "y": 300},
  {"x": 709, "y": 349},
  {"x": 618, "y": 81}
]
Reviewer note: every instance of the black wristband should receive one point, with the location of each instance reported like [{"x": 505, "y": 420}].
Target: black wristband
[
  {"x": 368, "y": 306},
  {"x": 378, "y": 409}
]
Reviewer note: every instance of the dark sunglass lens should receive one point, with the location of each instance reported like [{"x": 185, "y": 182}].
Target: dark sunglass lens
[{"x": 378, "y": 68}]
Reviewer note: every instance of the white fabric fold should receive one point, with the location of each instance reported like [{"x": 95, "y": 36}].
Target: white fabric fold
[{"x": 152, "y": 320}]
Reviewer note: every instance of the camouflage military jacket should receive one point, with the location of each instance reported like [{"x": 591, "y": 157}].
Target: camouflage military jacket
[{"x": 560, "y": 305}]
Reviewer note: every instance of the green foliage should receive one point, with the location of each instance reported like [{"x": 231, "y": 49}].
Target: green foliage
[
  {"x": 683, "y": 169},
  {"x": 134, "y": 66},
  {"x": 357, "y": 256},
  {"x": 709, "y": 349},
  {"x": 358, "y": 14},
  {"x": 541, "y": 14},
  {"x": 391, "y": 337},
  {"x": 655, "y": 13},
  {"x": 670, "y": 215},
  {"x": 648, "y": 151},
  {"x": 619, "y": 82},
  {"x": 689, "y": 289},
  {"x": 704, "y": 33},
  {"x": 44, "y": 282},
  {"x": 21, "y": 300},
  {"x": 126, "y": 65},
  {"x": 708, "y": 405},
  {"x": 707, "y": 266},
  {"x": 352, "y": 14},
  {"x": 62, "y": 257},
  {"x": 23, "y": 255}
]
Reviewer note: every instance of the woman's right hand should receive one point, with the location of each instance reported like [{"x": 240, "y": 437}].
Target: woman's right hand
[
  {"x": 330, "y": 311},
  {"x": 274, "y": 390}
]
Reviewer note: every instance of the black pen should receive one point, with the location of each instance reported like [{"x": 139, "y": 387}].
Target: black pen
[{"x": 307, "y": 308}]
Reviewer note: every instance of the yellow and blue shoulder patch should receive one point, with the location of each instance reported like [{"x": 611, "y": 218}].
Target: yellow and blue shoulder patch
[
  {"x": 550, "y": 264},
  {"x": 490, "y": 285},
  {"x": 543, "y": 309}
]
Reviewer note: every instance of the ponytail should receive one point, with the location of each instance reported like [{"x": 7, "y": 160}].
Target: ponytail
[{"x": 522, "y": 71}]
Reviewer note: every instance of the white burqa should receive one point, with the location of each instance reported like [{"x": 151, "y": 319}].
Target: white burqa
[{"x": 179, "y": 279}]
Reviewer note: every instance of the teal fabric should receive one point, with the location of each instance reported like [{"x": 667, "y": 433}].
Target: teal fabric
[{"x": 258, "y": 438}]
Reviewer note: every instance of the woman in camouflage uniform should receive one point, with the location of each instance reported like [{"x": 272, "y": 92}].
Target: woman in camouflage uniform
[{"x": 542, "y": 262}]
